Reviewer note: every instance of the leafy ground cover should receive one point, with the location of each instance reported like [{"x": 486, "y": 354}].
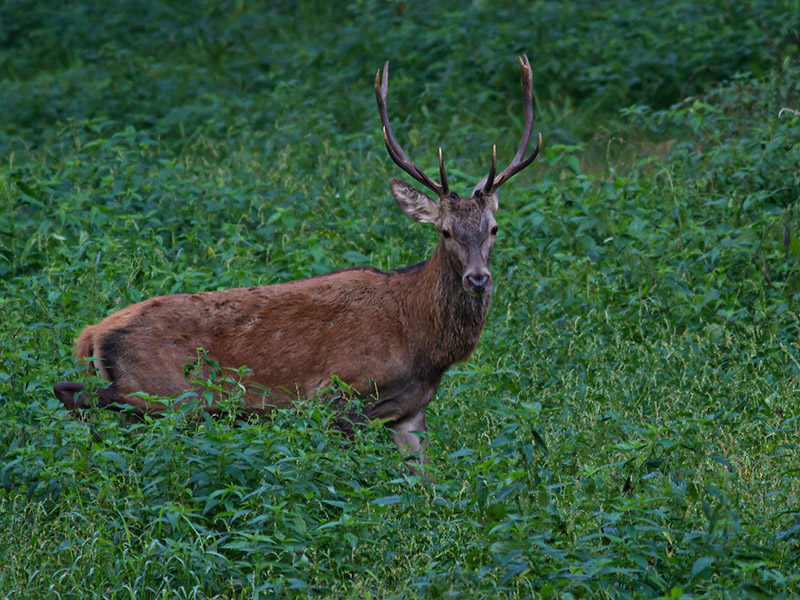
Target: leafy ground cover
[{"x": 628, "y": 427}]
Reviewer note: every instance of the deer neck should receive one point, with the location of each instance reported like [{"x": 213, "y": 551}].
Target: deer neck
[{"x": 452, "y": 319}]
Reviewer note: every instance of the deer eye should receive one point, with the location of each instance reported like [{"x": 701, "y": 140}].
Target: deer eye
[
  {"x": 494, "y": 230},
  {"x": 445, "y": 233}
]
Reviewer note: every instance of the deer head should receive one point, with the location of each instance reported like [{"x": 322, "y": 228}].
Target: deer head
[{"x": 466, "y": 225}]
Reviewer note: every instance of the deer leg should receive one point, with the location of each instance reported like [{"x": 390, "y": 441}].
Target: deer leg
[
  {"x": 405, "y": 435},
  {"x": 66, "y": 390},
  {"x": 71, "y": 397}
]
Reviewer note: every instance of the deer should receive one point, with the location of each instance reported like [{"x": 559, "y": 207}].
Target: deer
[{"x": 390, "y": 336}]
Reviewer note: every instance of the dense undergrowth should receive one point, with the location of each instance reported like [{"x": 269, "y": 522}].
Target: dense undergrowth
[{"x": 628, "y": 427}]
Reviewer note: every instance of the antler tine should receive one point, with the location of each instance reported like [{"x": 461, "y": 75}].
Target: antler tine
[
  {"x": 517, "y": 163},
  {"x": 443, "y": 175},
  {"x": 527, "y": 90},
  {"x": 396, "y": 152},
  {"x": 487, "y": 189}
]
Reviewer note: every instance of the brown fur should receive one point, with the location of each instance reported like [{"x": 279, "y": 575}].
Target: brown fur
[{"x": 391, "y": 333}]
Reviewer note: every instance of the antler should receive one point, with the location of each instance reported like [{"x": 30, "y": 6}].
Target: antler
[
  {"x": 517, "y": 163},
  {"x": 395, "y": 151}
]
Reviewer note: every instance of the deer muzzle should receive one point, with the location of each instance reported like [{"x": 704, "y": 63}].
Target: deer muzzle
[{"x": 477, "y": 284}]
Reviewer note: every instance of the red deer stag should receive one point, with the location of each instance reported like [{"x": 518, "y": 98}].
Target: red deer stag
[{"x": 389, "y": 335}]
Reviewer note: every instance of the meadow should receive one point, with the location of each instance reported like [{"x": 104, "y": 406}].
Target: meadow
[{"x": 628, "y": 426}]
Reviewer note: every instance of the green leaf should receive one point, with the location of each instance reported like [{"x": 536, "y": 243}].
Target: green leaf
[
  {"x": 386, "y": 500},
  {"x": 461, "y": 452},
  {"x": 794, "y": 245},
  {"x": 711, "y": 295},
  {"x": 297, "y": 584},
  {"x": 28, "y": 191},
  {"x": 515, "y": 570},
  {"x": 354, "y": 256},
  {"x": 117, "y": 458},
  {"x": 574, "y": 164},
  {"x": 723, "y": 461},
  {"x": 701, "y": 565},
  {"x": 540, "y": 443}
]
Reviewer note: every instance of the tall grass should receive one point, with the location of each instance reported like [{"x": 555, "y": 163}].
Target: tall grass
[{"x": 628, "y": 425}]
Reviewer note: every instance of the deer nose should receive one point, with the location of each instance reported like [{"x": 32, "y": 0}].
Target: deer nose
[{"x": 479, "y": 283}]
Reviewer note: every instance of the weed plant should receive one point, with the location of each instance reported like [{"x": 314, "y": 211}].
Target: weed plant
[{"x": 627, "y": 428}]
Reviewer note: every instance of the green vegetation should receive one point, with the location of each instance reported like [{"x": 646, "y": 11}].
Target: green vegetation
[{"x": 628, "y": 427}]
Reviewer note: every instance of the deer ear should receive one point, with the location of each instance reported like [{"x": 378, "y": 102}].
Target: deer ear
[
  {"x": 493, "y": 199},
  {"x": 414, "y": 203}
]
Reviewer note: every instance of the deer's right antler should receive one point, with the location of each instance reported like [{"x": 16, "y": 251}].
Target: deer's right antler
[{"x": 395, "y": 150}]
